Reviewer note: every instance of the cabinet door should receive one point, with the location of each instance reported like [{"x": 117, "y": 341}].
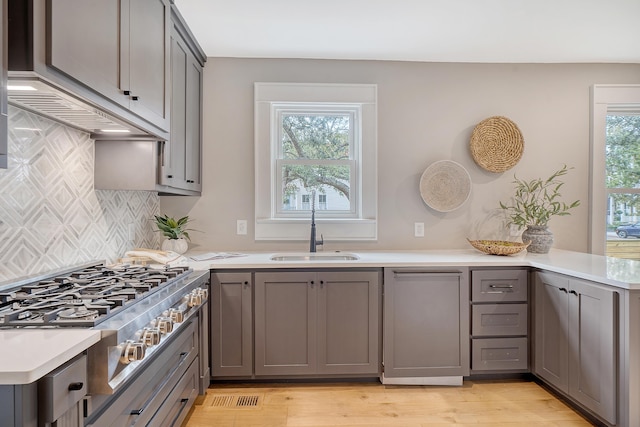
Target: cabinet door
[
  {"x": 348, "y": 323},
  {"x": 193, "y": 137},
  {"x": 231, "y": 325},
  {"x": 552, "y": 329},
  {"x": 592, "y": 347},
  {"x": 148, "y": 60},
  {"x": 285, "y": 323},
  {"x": 426, "y": 323},
  {"x": 182, "y": 161},
  {"x": 175, "y": 167},
  {"x": 88, "y": 50}
]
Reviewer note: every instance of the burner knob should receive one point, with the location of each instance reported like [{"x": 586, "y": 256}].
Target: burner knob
[
  {"x": 203, "y": 292},
  {"x": 176, "y": 315},
  {"x": 164, "y": 324},
  {"x": 132, "y": 351},
  {"x": 195, "y": 299},
  {"x": 150, "y": 336}
]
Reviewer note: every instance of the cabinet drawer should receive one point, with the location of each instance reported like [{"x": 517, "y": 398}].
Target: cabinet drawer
[
  {"x": 498, "y": 285},
  {"x": 499, "y": 354},
  {"x": 499, "y": 319},
  {"x": 61, "y": 389}
]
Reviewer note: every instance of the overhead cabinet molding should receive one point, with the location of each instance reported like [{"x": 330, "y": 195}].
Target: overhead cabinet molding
[{"x": 109, "y": 55}]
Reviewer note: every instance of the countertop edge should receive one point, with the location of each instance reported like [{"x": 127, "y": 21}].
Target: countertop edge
[
  {"x": 619, "y": 273},
  {"x": 69, "y": 349}
]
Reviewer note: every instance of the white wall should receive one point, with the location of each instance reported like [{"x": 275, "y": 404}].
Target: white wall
[{"x": 426, "y": 113}]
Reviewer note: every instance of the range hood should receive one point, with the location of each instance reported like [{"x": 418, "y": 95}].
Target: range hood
[{"x": 40, "y": 97}]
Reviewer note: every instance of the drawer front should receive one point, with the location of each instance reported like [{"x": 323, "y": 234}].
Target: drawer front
[
  {"x": 499, "y": 320},
  {"x": 498, "y": 285},
  {"x": 499, "y": 354},
  {"x": 61, "y": 389}
]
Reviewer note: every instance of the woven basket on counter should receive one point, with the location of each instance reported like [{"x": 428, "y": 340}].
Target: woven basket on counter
[
  {"x": 498, "y": 247},
  {"x": 496, "y": 144}
]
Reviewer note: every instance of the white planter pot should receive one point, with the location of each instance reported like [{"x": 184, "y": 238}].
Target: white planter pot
[{"x": 175, "y": 245}]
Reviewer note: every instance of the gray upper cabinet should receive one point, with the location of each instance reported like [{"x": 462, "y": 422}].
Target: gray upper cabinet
[
  {"x": 426, "y": 322},
  {"x": 575, "y": 340},
  {"x": 123, "y": 55},
  {"x": 182, "y": 160},
  {"x": 317, "y": 323},
  {"x": 4, "y": 136},
  {"x": 231, "y": 325}
]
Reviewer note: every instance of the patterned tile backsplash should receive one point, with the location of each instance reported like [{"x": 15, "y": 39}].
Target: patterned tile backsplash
[{"x": 50, "y": 215}]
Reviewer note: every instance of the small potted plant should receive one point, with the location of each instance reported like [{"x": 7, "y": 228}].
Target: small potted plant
[
  {"x": 533, "y": 205},
  {"x": 175, "y": 231}
]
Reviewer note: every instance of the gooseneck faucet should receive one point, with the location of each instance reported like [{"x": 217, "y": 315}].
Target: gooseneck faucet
[{"x": 313, "y": 243}]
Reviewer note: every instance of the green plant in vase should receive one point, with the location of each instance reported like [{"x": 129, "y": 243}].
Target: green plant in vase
[
  {"x": 533, "y": 205},
  {"x": 176, "y": 232}
]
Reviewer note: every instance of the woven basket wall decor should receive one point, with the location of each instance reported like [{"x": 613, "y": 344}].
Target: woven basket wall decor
[{"x": 496, "y": 144}]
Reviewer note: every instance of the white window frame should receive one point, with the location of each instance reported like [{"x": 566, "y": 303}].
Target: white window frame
[
  {"x": 362, "y": 223},
  {"x": 605, "y": 99}
]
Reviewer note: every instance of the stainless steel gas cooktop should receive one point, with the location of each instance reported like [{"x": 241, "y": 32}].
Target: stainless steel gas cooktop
[{"x": 82, "y": 298}]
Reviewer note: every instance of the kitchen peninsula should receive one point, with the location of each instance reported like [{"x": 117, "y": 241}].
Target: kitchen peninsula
[{"x": 577, "y": 320}]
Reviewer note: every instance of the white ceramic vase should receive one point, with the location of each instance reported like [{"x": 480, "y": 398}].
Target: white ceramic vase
[{"x": 175, "y": 245}]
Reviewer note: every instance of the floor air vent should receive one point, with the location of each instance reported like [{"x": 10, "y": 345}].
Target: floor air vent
[{"x": 235, "y": 401}]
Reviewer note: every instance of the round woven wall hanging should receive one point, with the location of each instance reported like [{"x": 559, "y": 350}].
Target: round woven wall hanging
[
  {"x": 496, "y": 144},
  {"x": 445, "y": 185}
]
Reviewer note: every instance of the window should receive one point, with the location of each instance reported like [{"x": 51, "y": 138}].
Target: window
[
  {"x": 315, "y": 144},
  {"x": 615, "y": 183},
  {"x": 317, "y": 152}
]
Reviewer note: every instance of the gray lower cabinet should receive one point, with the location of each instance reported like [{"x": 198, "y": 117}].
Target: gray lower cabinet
[
  {"x": 231, "y": 325},
  {"x": 499, "y": 320},
  {"x": 575, "y": 340},
  {"x": 426, "y": 322},
  {"x": 317, "y": 323}
]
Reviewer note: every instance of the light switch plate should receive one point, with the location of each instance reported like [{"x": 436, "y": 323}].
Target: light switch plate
[
  {"x": 418, "y": 229},
  {"x": 241, "y": 226}
]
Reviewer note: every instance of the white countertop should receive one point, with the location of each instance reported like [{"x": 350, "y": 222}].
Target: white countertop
[
  {"x": 611, "y": 271},
  {"x": 29, "y": 354}
]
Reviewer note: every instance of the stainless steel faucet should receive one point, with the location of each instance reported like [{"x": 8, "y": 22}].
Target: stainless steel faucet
[{"x": 313, "y": 243}]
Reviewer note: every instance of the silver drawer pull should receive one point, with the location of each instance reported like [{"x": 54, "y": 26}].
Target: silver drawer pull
[{"x": 501, "y": 286}]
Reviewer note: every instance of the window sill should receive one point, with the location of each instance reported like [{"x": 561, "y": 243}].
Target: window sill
[{"x": 330, "y": 229}]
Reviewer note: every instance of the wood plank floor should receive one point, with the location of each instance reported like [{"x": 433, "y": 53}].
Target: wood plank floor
[{"x": 479, "y": 404}]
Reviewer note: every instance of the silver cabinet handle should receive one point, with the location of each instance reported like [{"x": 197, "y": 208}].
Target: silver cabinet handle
[{"x": 501, "y": 286}]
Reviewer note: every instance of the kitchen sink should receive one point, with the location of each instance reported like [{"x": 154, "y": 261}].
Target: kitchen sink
[{"x": 317, "y": 256}]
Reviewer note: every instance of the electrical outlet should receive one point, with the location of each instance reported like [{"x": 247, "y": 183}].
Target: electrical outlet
[
  {"x": 418, "y": 229},
  {"x": 132, "y": 232},
  {"x": 241, "y": 226}
]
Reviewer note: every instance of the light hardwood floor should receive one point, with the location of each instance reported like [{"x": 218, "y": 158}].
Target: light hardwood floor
[{"x": 477, "y": 404}]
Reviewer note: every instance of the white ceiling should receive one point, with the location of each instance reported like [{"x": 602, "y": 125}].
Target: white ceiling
[{"x": 544, "y": 31}]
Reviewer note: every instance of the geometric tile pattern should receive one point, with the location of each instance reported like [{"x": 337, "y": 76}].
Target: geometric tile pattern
[{"x": 50, "y": 214}]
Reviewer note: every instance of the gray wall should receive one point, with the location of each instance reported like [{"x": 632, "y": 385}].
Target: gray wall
[{"x": 426, "y": 113}]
